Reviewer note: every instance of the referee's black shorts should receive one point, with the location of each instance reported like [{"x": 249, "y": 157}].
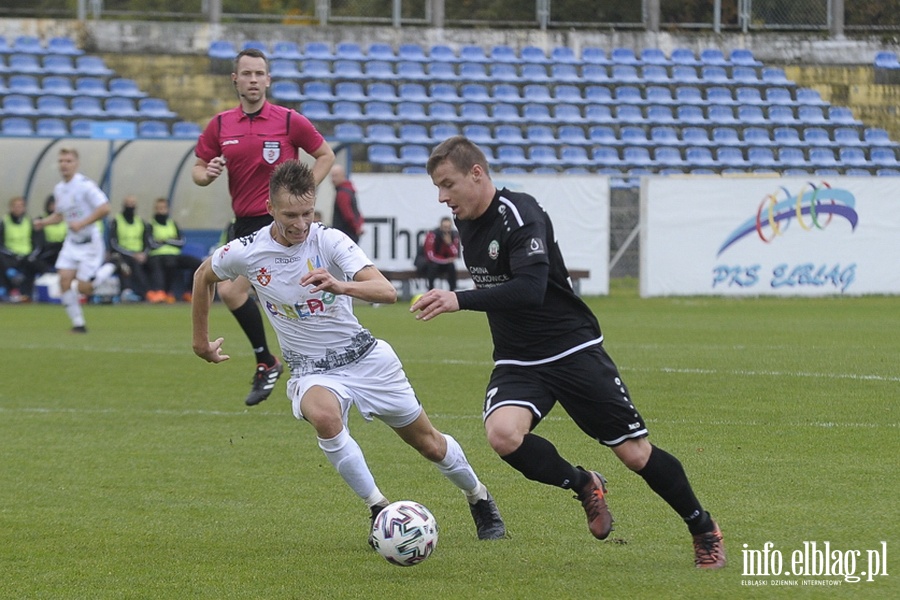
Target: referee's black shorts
[
  {"x": 588, "y": 386},
  {"x": 242, "y": 226}
]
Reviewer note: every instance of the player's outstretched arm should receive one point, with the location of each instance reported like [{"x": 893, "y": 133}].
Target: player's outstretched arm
[
  {"x": 433, "y": 303},
  {"x": 368, "y": 284},
  {"x": 203, "y": 292}
]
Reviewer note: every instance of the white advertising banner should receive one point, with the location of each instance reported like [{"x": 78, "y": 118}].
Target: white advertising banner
[
  {"x": 400, "y": 209},
  {"x": 793, "y": 236}
]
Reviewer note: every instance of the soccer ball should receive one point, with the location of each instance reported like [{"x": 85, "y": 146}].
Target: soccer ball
[{"x": 405, "y": 533}]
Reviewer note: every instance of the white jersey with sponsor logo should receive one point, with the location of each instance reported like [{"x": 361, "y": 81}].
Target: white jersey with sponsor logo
[
  {"x": 317, "y": 332},
  {"x": 75, "y": 200}
]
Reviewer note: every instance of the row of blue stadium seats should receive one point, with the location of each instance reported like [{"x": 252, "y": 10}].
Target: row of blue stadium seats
[
  {"x": 57, "y": 127},
  {"x": 655, "y": 158},
  {"x": 62, "y": 85},
  {"x": 32, "y": 44},
  {"x": 574, "y": 135},
  {"x": 886, "y": 60},
  {"x": 291, "y": 91},
  {"x": 527, "y": 73},
  {"x": 598, "y": 114},
  {"x": 630, "y": 178},
  {"x": 85, "y": 106},
  {"x": 499, "y": 53},
  {"x": 55, "y": 64}
]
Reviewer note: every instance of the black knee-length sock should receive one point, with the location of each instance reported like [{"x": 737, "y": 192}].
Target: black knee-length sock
[
  {"x": 537, "y": 459},
  {"x": 250, "y": 320},
  {"x": 665, "y": 476}
]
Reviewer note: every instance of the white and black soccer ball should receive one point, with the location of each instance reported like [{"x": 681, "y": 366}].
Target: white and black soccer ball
[{"x": 405, "y": 533}]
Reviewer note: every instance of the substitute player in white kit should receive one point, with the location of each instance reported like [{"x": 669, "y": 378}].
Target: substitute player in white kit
[
  {"x": 81, "y": 204},
  {"x": 306, "y": 276}
]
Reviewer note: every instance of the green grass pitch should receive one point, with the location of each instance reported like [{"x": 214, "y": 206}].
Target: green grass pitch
[{"x": 132, "y": 469}]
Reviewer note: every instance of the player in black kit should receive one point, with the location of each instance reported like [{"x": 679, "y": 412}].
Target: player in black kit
[{"x": 548, "y": 348}]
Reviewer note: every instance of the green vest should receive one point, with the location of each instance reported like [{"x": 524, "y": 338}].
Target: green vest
[
  {"x": 18, "y": 235},
  {"x": 56, "y": 233},
  {"x": 161, "y": 233},
  {"x": 130, "y": 235}
]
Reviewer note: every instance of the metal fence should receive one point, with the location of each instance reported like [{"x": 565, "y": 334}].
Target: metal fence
[{"x": 717, "y": 15}]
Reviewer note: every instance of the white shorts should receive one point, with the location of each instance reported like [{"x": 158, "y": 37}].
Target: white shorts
[
  {"x": 375, "y": 384},
  {"x": 84, "y": 259}
]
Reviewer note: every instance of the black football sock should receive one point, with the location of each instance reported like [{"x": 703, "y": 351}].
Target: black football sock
[
  {"x": 538, "y": 460},
  {"x": 665, "y": 476},
  {"x": 250, "y": 320}
]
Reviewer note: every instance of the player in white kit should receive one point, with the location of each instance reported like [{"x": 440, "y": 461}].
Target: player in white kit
[
  {"x": 81, "y": 204},
  {"x": 306, "y": 276}
]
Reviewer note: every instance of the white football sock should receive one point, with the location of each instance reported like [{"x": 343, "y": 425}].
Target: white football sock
[
  {"x": 103, "y": 274},
  {"x": 457, "y": 469},
  {"x": 71, "y": 299},
  {"x": 346, "y": 456}
]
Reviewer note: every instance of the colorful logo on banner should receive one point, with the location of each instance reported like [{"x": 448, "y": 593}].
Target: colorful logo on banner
[{"x": 814, "y": 208}]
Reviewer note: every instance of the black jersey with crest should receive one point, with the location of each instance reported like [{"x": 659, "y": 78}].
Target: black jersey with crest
[{"x": 513, "y": 236}]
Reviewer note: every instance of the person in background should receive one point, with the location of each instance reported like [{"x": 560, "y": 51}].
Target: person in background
[
  {"x": 19, "y": 247},
  {"x": 249, "y": 141},
  {"x": 129, "y": 238},
  {"x": 309, "y": 275},
  {"x": 82, "y": 205},
  {"x": 53, "y": 237},
  {"x": 169, "y": 266},
  {"x": 346, "y": 217},
  {"x": 548, "y": 349},
  {"x": 439, "y": 253}
]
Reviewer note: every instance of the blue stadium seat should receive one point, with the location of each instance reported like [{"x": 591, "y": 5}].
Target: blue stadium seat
[
  {"x": 27, "y": 85},
  {"x": 478, "y": 134},
  {"x": 58, "y": 64},
  {"x": 668, "y": 156},
  {"x": 654, "y": 56},
  {"x": 473, "y": 72},
  {"x": 58, "y": 85},
  {"x": 502, "y": 113},
  {"x": 351, "y": 70},
  {"x": 655, "y": 74},
  {"x": 152, "y": 129},
  {"x": 18, "y": 126},
  {"x": 63, "y": 45},
  {"x": 185, "y": 129},
  {"x": 721, "y": 115},
  {"x": 757, "y": 136},
  {"x": 664, "y": 136},
  {"x": 408, "y": 70},
  {"x": 574, "y": 156},
  {"x": 503, "y": 53},
  {"x": 52, "y": 106},
  {"x": 473, "y": 54},
  {"x": 657, "y": 94},
  {"x": 18, "y": 105},
  {"x": 507, "y": 93},
  {"x": 91, "y": 86},
  {"x": 383, "y": 51},
  {"x": 567, "y": 113},
  {"x": 349, "y": 91},
  {"x": 475, "y": 92},
  {"x": 624, "y": 56},
  {"x": 441, "y": 53},
  {"x": 751, "y": 115},
  {"x": 886, "y": 60},
  {"x": 286, "y": 91},
  {"x": 26, "y": 64},
  {"x": 155, "y": 108},
  {"x": 629, "y": 94},
  {"x": 542, "y": 155},
  {"x": 280, "y": 68},
  {"x": 725, "y": 136},
  {"x": 511, "y": 134},
  {"x": 606, "y": 156},
  {"x": 887, "y": 172},
  {"x": 749, "y": 95},
  {"x": 791, "y": 157},
  {"x": 563, "y": 55},
  {"x": 713, "y": 57},
  {"x": 857, "y": 172},
  {"x": 222, "y": 50},
  {"x": 87, "y": 106},
  {"x": 602, "y": 135},
  {"x": 256, "y": 45},
  {"x": 569, "y": 94},
  {"x": 414, "y": 133},
  {"x": 822, "y": 158},
  {"x": 690, "y": 114},
  {"x": 349, "y": 51},
  {"x": 315, "y": 70},
  {"x": 444, "y": 92},
  {"x": 744, "y": 57},
  {"x": 625, "y": 74},
  {"x": 687, "y": 94},
  {"x": 811, "y": 115},
  {"x": 659, "y": 115},
  {"x": 883, "y": 157},
  {"x": 731, "y": 157},
  {"x": 816, "y": 136},
  {"x": 349, "y": 132},
  {"x": 51, "y": 127},
  {"x": 511, "y": 156},
  {"x": 782, "y": 115},
  {"x": 699, "y": 157},
  {"x": 592, "y": 55},
  {"x": 534, "y": 73},
  {"x": 92, "y": 65},
  {"x": 412, "y": 52},
  {"x": 598, "y": 113},
  {"x": 595, "y": 74},
  {"x": 695, "y": 136},
  {"x": 381, "y": 133},
  {"x": 841, "y": 115},
  {"x": 786, "y": 136},
  {"x": 503, "y": 72},
  {"x": 318, "y": 90},
  {"x": 475, "y": 112},
  {"x": 442, "y": 112},
  {"x": 317, "y": 51},
  {"x": 744, "y": 76},
  {"x": 537, "y": 93},
  {"x": 413, "y": 92},
  {"x": 572, "y": 135},
  {"x": 759, "y": 157},
  {"x": 597, "y": 94},
  {"x": 720, "y": 95},
  {"x": 378, "y": 69},
  {"x": 382, "y": 154},
  {"x": 413, "y": 154},
  {"x": 345, "y": 110},
  {"x": 630, "y": 114},
  {"x": 126, "y": 88},
  {"x": 376, "y": 110},
  {"x": 121, "y": 108},
  {"x": 712, "y": 75},
  {"x": 847, "y": 136},
  {"x": 637, "y": 156},
  {"x": 533, "y": 54},
  {"x": 564, "y": 73},
  {"x": 443, "y": 131},
  {"x": 28, "y": 44},
  {"x": 382, "y": 92},
  {"x": 876, "y": 136},
  {"x": 81, "y": 127},
  {"x": 779, "y": 95},
  {"x": 414, "y": 169},
  {"x": 633, "y": 135},
  {"x": 534, "y": 134},
  {"x": 810, "y": 97},
  {"x": 853, "y": 157},
  {"x": 685, "y": 75},
  {"x": 684, "y": 57},
  {"x": 285, "y": 50}
]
